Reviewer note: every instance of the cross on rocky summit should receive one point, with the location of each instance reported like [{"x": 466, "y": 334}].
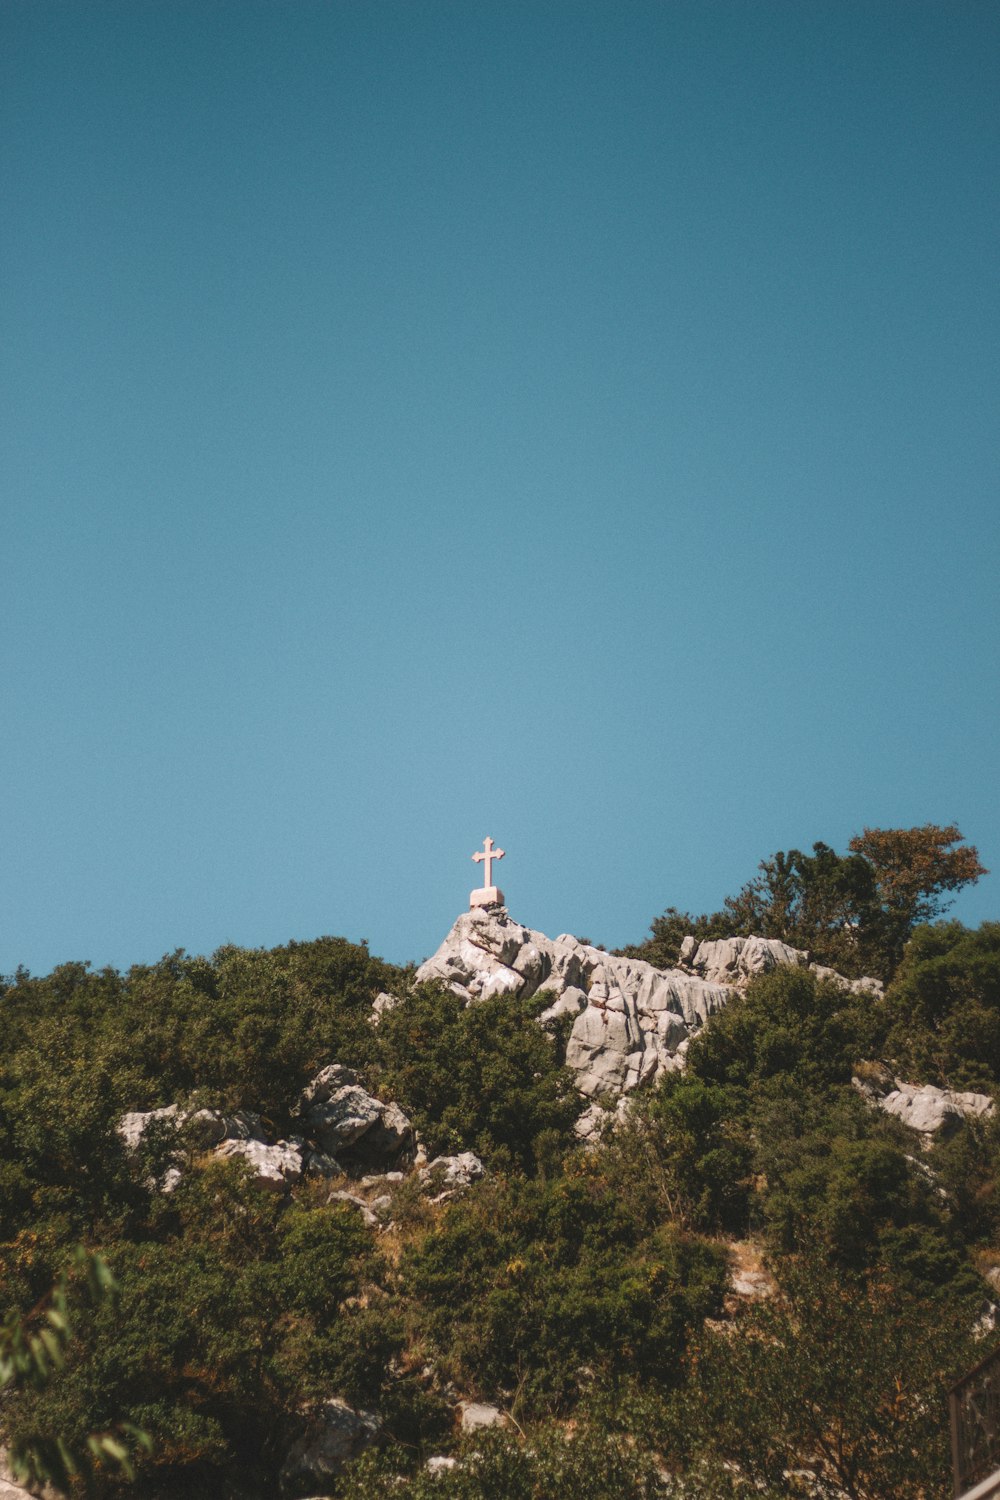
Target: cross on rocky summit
[{"x": 488, "y": 894}]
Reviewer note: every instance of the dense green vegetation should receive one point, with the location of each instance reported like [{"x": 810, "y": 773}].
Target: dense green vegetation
[
  {"x": 585, "y": 1293},
  {"x": 853, "y": 912}
]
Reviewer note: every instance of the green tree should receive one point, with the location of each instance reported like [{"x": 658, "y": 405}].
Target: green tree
[
  {"x": 483, "y": 1077},
  {"x": 33, "y": 1351},
  {"x": 527, "y": 1283},
  {"x": 853, "y": 912},
  {"x": 942, "y": 1010},
  {"x": 838, "y": 1384}
]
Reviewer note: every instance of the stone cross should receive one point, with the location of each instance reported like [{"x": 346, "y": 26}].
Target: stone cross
[
  {"x": 490, "y": 855},
  {"x": 488, "y": 894}
]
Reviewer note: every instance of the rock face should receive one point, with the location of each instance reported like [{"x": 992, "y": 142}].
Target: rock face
[
  {"x": 352, "y": 1126},
  {"x": 737, "y": 960},
  {"x": 630, "y": 1019},
  {"x": 632, "y": 1022},
  {"x": 337, "y": 1434},
  {"x": 924, "y": 1108}
]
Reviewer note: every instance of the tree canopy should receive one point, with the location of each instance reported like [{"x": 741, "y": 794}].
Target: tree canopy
[{"x": 854, "y": 912}]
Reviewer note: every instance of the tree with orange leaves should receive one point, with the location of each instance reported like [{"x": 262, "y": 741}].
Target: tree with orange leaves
[{"x": 913, "y": 870}]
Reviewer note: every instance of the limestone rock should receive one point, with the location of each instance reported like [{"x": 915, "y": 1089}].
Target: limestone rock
[
  {"x": 450, "y": 1174},
  {"x": 631, "y": 1022},
  {"x": 207, "y": 1127},
  {"x": 866, "y": 986},
  {"x": 928, "y": 1109},
  {"x": 9, "y": 1487},
  {"x": 337, "y": 1433},
  {"x": 365, "y": 1209},
  {"x": 479, "y": 1414},
  {"x": 596, "y": 1120},
  {"x": 349, "y": 1124},
  {"x": 383, "y": 1002},
  {"x": 277, "y": 1166},
  {"x": 10, "y": 1491},
  {"x": 630, "y": 1019},
  {"x": 739, "y": 959},
  {"x": 204, "y": 1127},
  {"x": 133, "y": 1126}
]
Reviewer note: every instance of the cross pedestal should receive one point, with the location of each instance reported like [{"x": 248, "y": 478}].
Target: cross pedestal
[{"x": 488, "y": 894}]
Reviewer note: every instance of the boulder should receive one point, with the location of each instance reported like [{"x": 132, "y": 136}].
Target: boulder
[
  {"x": 133, "y": 1126},
  {"x": 336, "y": 1434},
  {"x": 596, "y": 1120},
  {"x": 928, "y": 1109},
  {"x": 208, "y": 1127},
  {"x": 349, "y": 1124},
  {"x": 438, "y": 1463},
  {"x": 383, "y": 1002},
  {"x": 479, "y": 1414},
  {"x": 277, "y": 1166},
  {"x": 203, "y": 1128}
]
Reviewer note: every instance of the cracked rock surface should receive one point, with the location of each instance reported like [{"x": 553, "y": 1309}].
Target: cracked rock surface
[
  {"x": 630, "y": 1018},
  {"x": 632, "y": 1021}
]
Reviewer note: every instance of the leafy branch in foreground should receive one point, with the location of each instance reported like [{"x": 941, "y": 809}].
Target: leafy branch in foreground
[{"x": 33, "y": 1350}]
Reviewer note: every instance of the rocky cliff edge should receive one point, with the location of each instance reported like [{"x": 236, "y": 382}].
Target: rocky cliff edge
[{"x": 631, "y": 1021}]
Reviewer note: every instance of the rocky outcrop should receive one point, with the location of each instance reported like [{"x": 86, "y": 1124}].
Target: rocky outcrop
[
  {"x": 350, "y": 1125},
  {"x": 198, "y": 1129},
  {"x": 922, "y": 1107},
  {"x": 279, "y": 1166},
  {"x": 342, "y": 1128},
  {"x": 737, "y": 960},
  {"x": 630, "y": 1019},
  {"x": 203, "y": 1128},
  {"x": 337, "y": 1433}
]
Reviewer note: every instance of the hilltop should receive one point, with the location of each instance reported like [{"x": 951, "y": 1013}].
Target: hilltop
[{"x": 531, "y": 1219}]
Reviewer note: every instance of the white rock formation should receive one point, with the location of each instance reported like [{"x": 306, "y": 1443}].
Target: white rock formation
[
  {"x": 364, "y": 1208},
  {"x": 133, "y": 1126},
  {"x": 479, "y": 1414},
  {"x": 278, "y": 1166},
  {"x": 208, "y": 1127},
  {"x": 925, "y": 1108},
  {"x": 438, "y": 1463},
  {"x": 632, "y": 1022},
  {"x": 737, "y": 960},
  {"x": 630, "y": 1019},
  {"x": 347, "y": 1122}
]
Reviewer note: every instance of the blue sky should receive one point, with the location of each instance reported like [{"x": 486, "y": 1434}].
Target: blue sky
[{"x": 573, "y": 422}]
